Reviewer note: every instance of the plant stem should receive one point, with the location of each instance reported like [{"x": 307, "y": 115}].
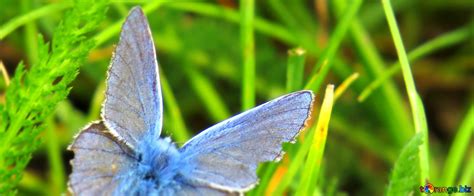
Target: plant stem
[
  {"x": 416, "y": 104},
  {"x": 295, "y": 69},
  {"x": 247, "y": 42}
]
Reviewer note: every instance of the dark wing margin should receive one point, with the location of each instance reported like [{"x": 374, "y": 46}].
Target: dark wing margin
[
  {"x": 98, "y": 157},
  {"x": 133, "y": 104},
  {"x": 225, "y": 156}
]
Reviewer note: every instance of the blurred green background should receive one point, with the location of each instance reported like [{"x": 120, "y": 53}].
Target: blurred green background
[{"x": 199, "y": 49}]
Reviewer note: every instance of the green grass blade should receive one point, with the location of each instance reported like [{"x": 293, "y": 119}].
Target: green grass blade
[
  {"x": 283, "y": 13},
  {"x": 295, "y": 164},
  {"x": 114, "y": 29},
  {"x": 415, "y": 102},
  {"x": 32, "y": 182},
  {"x": 121, "y": 8},
  {"x": 297, "y": 20},
  {"x": 388, "y": 105},
  {"x": 265, "y": 178},
  {"x": 179, "y": 131},
  {"x": 261, "y": 25},
  {"x": 344, "y": 85},
  {"x": 71, "y": 119},
  {"x": 208, "y": 95},
  {"x": 468, "y": 172},
  {"x": 13, "y": 24},
  {"x": 443, "y": 41},
  {"x": 295, "y": 69},
  {"x": 318, "y": 143},
  {"x": 362, "y": 139},
  {"x": 326, "y": 60},
  {"x": 96, "y": 103},
  {"x": 294, "y": 82},
  {"x": 424, "y": 149},
  {"x": 247, "y": 42},
  {"x": 458, "y": 149},
  {"x": 5, "y": 76},
  {"x": 57, "y": 173},
  {"x": 406, "y": 171},
  {"x": 30, "y": 33}
]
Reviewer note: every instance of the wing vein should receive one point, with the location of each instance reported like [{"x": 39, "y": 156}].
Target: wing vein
[{"x": 134, "y": 80}]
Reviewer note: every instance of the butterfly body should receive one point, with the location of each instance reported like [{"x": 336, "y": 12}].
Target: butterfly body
[
  {"x": 123, "y": 153},
  {"x": 155, "y": 167}
]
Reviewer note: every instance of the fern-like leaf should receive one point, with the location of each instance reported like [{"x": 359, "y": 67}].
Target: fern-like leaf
[{"x": 32, "y": 95}]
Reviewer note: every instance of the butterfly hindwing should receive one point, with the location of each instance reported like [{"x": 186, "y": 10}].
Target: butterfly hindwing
[
  {"x": 226, "y": 155},
  {"x": 98, "y": 159},
  {"x": 133, "y": 104}
]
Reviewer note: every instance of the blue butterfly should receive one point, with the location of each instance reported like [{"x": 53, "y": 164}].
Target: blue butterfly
[{"x": 123, "y": 153}]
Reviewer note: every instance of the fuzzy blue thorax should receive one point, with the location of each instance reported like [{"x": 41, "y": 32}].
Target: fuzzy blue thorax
[{"x": 155, "y": 168}]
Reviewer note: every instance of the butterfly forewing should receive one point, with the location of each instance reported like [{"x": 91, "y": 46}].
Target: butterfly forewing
[
  {"x": 227, "y": 154},
  {"x": 98, "y": 159},
  {"x": 133, "y": 105}
]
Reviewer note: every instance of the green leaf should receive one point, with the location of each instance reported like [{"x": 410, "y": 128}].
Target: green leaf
[{"x": 406, "y": 171}]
